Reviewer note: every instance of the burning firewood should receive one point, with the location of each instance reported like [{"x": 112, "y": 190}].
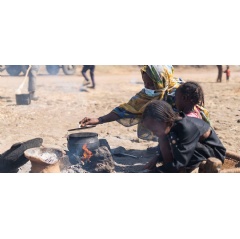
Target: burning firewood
[{"x": 87, "y": 154}]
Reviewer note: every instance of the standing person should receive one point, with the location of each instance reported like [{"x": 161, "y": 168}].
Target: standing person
[
  {"x": 184, "y": 141},
  {"x": 91, "y": 68},
  {"x": 219, "y": 78},
  {"x": 227, "y": 71},
  {"x": 32, "y": 77}
]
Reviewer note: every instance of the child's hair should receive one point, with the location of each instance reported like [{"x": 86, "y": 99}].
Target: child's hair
[
  {"x": 228, "y": 67},
  {"x": 193, "y": 91},
  {"x": 161, "y": 111}
]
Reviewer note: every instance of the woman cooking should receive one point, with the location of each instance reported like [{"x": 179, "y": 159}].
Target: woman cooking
[{"x": 159, "y": 84}]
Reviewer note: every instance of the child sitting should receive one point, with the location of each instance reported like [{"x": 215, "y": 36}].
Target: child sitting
[
  {"x": 184, "y": 141},
  {"x": 190, "y": 100}
]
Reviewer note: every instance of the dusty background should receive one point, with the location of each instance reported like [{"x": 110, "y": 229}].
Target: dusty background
[{"x": 61, "y": 106}]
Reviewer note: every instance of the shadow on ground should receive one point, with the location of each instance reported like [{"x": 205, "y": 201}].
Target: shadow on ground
[{"x": 126, "y": 164}]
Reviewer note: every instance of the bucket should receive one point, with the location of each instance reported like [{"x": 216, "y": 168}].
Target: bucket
[{"x": 23, "y": 99}]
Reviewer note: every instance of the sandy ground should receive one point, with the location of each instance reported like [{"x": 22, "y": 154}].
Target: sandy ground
[{"x": 61, "y": 105}]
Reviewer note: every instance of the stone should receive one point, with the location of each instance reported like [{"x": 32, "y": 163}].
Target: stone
[{"x": 101, "y": 161}]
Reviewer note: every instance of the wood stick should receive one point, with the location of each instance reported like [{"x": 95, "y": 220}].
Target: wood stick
[
  {"x": 232, "y": 155},
  {"x": 18, "y": 91},
  {"x": 230, "y": 170}
]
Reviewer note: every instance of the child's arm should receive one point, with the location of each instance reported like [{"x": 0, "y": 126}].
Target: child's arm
[
  {"x": 152, "y": 163},
  {"x": 165, "y": 149}
]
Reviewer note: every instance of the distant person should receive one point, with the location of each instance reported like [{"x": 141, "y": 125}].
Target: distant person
[
  {"x": 227, "y": 71},
  {"x": 91, "y": 68},
  {"x": 32, "y": 77},
  {"x": 219, "y": 78}
]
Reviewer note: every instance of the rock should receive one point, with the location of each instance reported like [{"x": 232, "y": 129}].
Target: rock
[
  {"x": 101, "y": 161},
  {"x": 64, "y": 163},
  {"x": 70, "y": 170}
]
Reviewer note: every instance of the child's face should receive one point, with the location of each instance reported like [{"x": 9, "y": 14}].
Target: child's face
[
  {"x": 148, "y": 83},
  {"x": 158, "y": 128}
]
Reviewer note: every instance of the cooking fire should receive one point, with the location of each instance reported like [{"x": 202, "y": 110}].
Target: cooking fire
[{"x": 87, "y": 154}]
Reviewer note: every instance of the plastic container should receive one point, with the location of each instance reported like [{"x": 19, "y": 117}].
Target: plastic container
[{"x": 23, "y": 99}]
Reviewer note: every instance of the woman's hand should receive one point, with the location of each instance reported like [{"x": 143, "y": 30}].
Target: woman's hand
[
  {"x": 89, "y": 121},
  {"x": 152, "y": 163}
]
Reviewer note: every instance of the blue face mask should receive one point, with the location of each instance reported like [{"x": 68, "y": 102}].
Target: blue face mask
[{"x": 151, "y": 93}]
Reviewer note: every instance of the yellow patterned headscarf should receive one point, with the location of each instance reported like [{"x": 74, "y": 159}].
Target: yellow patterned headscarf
[
  {"x": 165, "y": 84},
  {"x": 161, "y": 75}
]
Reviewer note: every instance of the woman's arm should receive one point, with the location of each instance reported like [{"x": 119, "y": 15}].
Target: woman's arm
[
  {"x": 109, "y": 117},
  {"x": 103, "y": 119}
]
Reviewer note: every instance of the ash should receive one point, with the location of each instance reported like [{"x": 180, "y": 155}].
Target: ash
[
  {"x": 49, "y": 158},
  {"x": 77, "y": 168}
]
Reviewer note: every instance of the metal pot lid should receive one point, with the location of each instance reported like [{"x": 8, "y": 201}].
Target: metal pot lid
[
  {"x": 85, "y": 127},
  {"x": 83, "y": 135}
]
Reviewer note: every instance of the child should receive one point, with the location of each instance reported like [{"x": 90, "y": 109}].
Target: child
[
  {"x": 227, "y": 71},
  {"x": 190, "y": 100},
  {"x": 184, "y": 141}
]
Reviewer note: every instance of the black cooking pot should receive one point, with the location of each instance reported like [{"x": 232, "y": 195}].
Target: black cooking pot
[{"x": 77, "y": 140}]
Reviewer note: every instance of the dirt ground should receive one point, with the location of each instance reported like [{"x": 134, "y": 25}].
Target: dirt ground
[{"x": 62, "y": 105}]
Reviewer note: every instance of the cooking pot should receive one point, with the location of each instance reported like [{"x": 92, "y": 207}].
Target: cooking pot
[{"x": 77, "y": 140}]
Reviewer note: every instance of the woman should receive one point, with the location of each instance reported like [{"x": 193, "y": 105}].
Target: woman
[
  {"x": 159, "y": 84},
  {"x": 184, "y": 141}
]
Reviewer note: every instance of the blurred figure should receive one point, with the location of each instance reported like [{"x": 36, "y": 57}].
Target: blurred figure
[
  {"x": 32, "y": 77},
  {"x": 2, "y": 68},
  {"x": 227, "y": 71},
  {"x": 84, "y": 70},
  {"x": 219, "y": 78}
]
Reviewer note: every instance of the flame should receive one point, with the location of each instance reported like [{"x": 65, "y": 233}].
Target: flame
[{"x": 87, "y": 154}]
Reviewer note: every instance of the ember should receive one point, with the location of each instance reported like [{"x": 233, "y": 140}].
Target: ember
[{"x": 87, "y": 154}]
